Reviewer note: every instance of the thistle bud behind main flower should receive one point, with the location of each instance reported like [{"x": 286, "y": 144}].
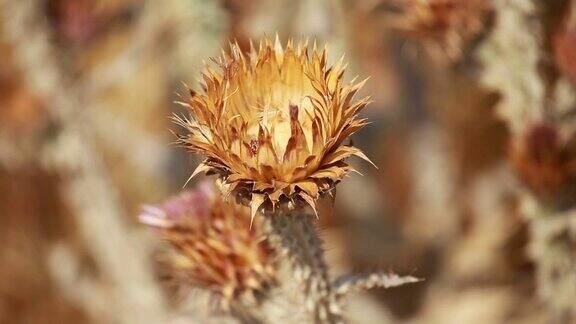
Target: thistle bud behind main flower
[{"x": 214, "y": 246}]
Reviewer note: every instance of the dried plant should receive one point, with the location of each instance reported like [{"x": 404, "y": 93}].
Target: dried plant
[
  {"x": 273, "y": 124},
  {"x": 446, "y": 28},
  {"x": 213, "y": 246}
]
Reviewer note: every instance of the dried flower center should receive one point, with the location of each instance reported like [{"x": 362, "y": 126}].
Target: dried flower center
[
  {"x": 265, "y": 105},
  {"x": 264, "y": 99}
]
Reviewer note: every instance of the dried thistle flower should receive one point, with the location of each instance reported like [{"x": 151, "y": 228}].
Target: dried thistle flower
[
  {"x": 446, "y": 28},
  {"x": 546, "y": 163},
  {"x": 272, "y": 123},
  {"x": 214, "y": 246}
]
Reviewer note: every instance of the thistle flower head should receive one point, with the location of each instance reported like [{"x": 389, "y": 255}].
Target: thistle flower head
[
  {"x": 272, "y": 123},
  {"x": 213, "y": 245},
  {"x": 445, "y": 27}
]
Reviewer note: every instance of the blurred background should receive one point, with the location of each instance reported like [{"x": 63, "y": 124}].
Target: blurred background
[{"x": 86, "y": 91}]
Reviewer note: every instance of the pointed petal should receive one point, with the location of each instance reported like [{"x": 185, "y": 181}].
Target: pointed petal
[
  {"x": 363, "y": 156},
  {"x": 339, "y": 154},
  {"x": 275, "y": 196},
  {"x": 333, "y": 173},
  {"x": 262, "y": 186},
  {"x": 310, "y": 201},
  {"x": 343, "y": 152},
  {"x": 257, "y": 201},
  {"x": 309, "y": 187},
  {"x": 202, "y": 167}
]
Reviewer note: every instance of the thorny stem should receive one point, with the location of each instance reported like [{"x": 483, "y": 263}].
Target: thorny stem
[{"x": 293, "y": 233}]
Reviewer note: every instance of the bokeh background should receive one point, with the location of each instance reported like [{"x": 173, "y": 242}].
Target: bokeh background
[{"x": 86, "y": 94}]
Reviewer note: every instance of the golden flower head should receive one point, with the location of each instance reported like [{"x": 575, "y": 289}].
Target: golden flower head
[
  {"x": 446, "y": 28},
  {"x": 272, "y": 123},
  {"x": 215, "y": 246}
]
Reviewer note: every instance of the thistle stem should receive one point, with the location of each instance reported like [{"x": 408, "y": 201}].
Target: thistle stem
[{"x": 293, "y": 233}]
